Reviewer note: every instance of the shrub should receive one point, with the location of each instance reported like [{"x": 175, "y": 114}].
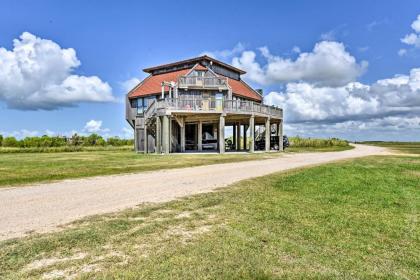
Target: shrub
[
  {"x": 46, "y": 142},
  {"x": 10, "y": 142},
  {"x": 316, "y": 143}
]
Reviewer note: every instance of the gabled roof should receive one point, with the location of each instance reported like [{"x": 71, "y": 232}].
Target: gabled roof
[
  {"x": 152, "y": 85},
  {"x": 194, "y": 60},
  {"x": 242, "y": 89}
]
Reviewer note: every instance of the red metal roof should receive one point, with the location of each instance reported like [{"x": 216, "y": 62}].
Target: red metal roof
[
  {"x": 152, "y": 85},
  {"x": 200, "y": 67},
  {"x": 242, "y": 89}
]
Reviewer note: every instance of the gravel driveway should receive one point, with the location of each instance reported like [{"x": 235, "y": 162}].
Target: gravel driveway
[{"x": 43, "y": 207}]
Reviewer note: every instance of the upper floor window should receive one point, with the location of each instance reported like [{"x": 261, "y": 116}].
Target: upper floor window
[
  {"x": 198, "y": 73},
  {"x": 143, "y": 103}
]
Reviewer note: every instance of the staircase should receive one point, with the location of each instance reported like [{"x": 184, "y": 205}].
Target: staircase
[{"x": 151, "y": 126}]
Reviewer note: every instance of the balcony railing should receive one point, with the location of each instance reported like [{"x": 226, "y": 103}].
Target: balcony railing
[
  {"x": 215, "y": 105},
  {"x": 202, "y": 82}
]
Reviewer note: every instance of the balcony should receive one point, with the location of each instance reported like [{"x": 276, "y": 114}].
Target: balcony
[
  {"x": 202, "y": 82},
  {"x": 212, "y": 106}
]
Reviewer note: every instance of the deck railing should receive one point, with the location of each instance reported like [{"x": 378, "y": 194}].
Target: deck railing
[
  {"x": 202, "y": 82},
  {"x": 215, "y": 105}
]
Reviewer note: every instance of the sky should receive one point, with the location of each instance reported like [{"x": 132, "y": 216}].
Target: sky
[{"x": 338, "y": 69}]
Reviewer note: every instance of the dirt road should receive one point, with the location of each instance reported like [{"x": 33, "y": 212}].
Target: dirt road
[{"x": 42, "y": 207}]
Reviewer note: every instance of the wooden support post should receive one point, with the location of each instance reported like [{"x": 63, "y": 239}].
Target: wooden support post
[
  {"x": 158, "y": 139},
  {"x": 280, "y": 135},
  {"x": 165, "y": 134},
  {"x": 267, "y": 134},
  {"x": 182, "y": 130},
  {"x": 238, "y": 136},
  {"x": 251, "y": 134},
  {"x": 200, "y": 136},
  {"x": 222, "y": 134},
  {"x": 145, "y": 136}
]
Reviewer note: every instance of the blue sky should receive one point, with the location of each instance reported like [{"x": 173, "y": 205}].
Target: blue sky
[{"x": 114, "y": 40}]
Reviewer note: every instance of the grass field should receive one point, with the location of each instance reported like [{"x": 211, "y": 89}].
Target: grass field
[
  {"x": 318, "y": 149},
  {"x": 24, "y": 168},
  {"x": 356, "y": 219},
  {"x": 405, "y": 147}
]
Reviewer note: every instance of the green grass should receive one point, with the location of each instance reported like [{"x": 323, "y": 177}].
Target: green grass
[
  {"x": 25, "y": 168},
  {"x": 17, "y": 168},
  {"x": 405, "y": 147},
  {"x": 294, "y": 149},
  {"x": 356, "y": 219}
]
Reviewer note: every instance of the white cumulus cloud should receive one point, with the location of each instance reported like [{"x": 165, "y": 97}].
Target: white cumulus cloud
[
  {"x": 130, "y": 84},
  {"x": 94, "y": 126},
  {"x": 398, "y": 96},
  {"x": 37, "y": 74},
  {"x": 414, "y": 37},
  {"x": 227, "y": 53},
  {"x": 329, "y": 64}
]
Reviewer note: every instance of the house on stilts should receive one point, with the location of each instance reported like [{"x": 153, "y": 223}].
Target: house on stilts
[{"x": 201, "y": 104}]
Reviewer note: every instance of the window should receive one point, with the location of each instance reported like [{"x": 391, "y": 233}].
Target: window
[
  {"x": 143, "y": 103},
  {"x": 140, "y": 107}
]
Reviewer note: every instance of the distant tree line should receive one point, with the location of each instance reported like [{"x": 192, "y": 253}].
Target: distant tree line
[{"x": 62, "y": 141}]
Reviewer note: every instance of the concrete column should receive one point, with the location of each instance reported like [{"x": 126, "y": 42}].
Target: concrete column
[
  {"x": 200, "y": 136},
  {"x": 222, "y": 134},
  {"x": 182, "y": 131},
  {"x": 251, "y": 134},
  {"x": 136, "y": 140},
  {"x": 245, "y": 144},
  {"x": 267, "y": 134},
  {"x": 158, "y": 140},
  {"x": 234, "y": 135},
  {"x": 145, "y": 139},
  {"x": 280, "y": 135},
  {"x": 170, "y": 134},
  {"x": 238, "y": 136},
  {"x": 165, "y": 135}
]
